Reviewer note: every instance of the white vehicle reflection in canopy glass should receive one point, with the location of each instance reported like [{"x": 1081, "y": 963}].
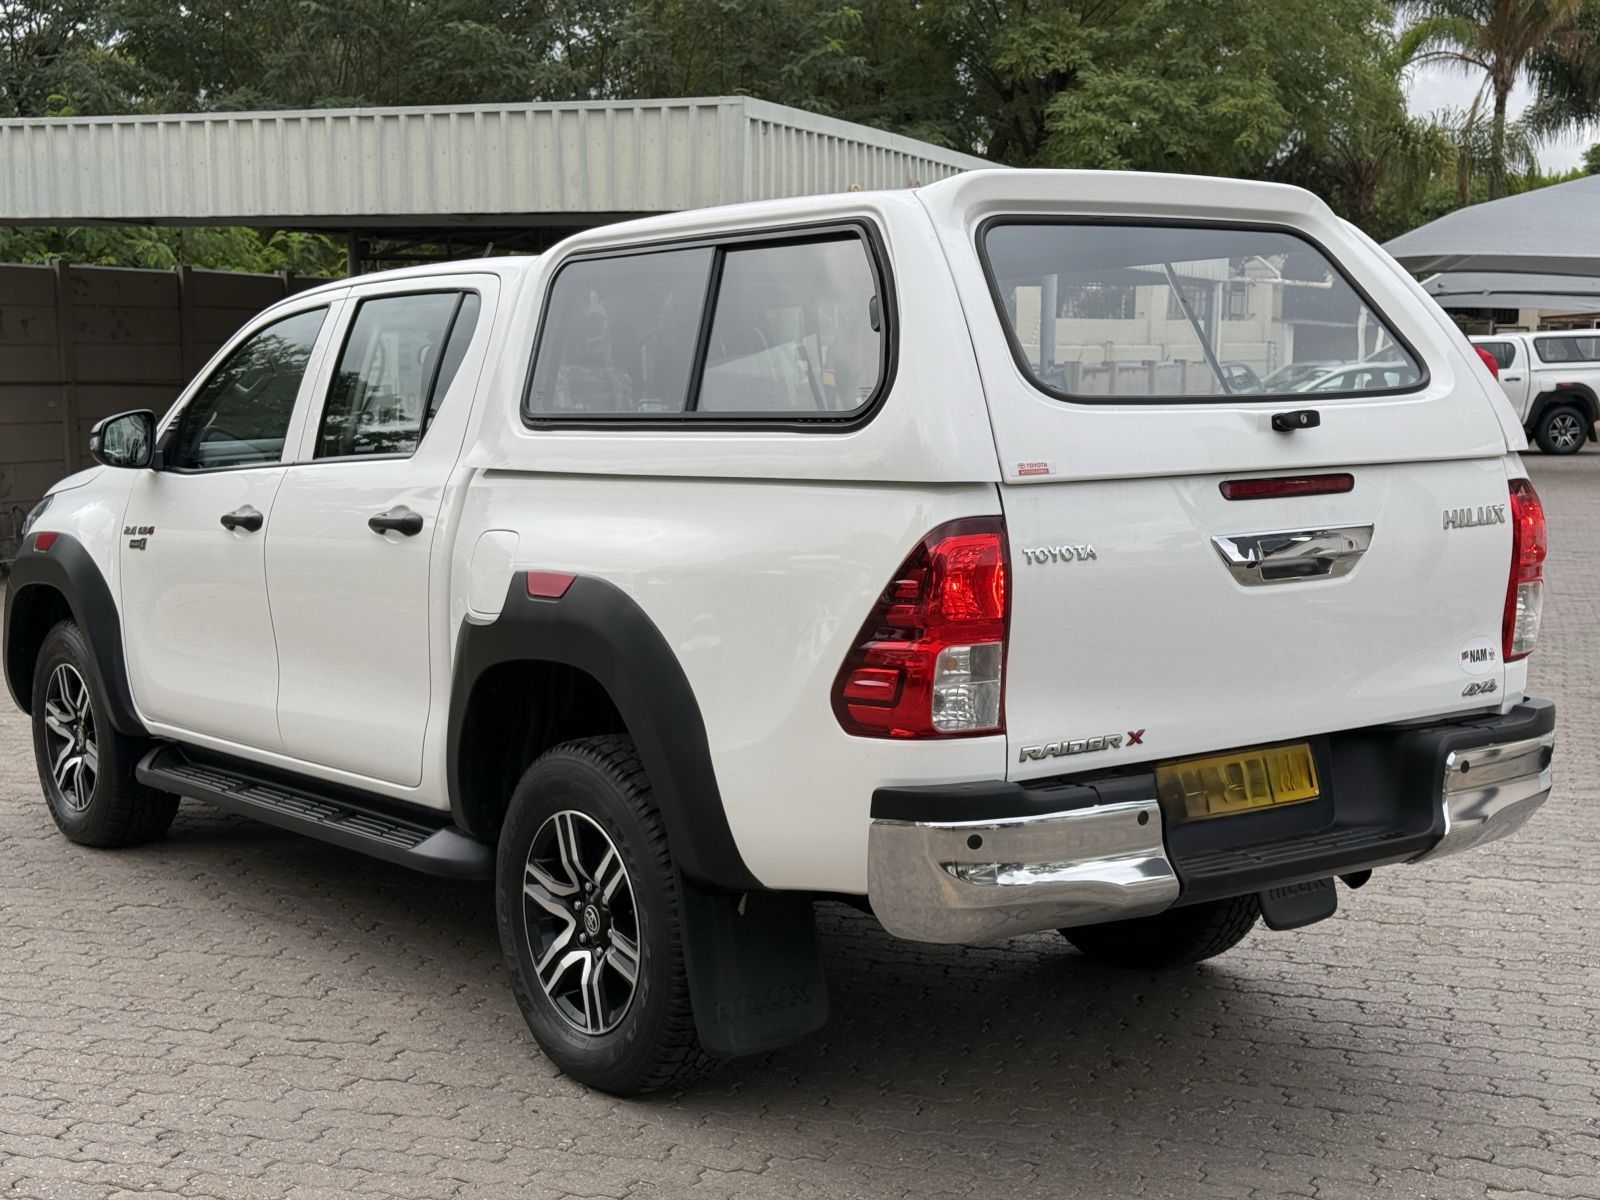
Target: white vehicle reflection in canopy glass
[{"x": 1165, "y": 311}]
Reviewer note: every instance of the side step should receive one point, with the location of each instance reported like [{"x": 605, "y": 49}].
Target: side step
[{"x": 324, "y": 811}]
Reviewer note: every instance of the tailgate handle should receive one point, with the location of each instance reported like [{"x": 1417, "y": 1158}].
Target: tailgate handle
[{"x": 1291, "y": 555}]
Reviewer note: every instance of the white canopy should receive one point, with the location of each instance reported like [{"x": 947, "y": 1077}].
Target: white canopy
[{"x": 1548, "y": 231}]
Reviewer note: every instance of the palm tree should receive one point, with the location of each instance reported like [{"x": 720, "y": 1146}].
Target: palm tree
[{"x": 1505, "y": 39}]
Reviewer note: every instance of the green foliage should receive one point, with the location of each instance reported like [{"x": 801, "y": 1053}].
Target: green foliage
[
  {"x": 147, "y": 246},
  {"x": 1305, "y": 91}
]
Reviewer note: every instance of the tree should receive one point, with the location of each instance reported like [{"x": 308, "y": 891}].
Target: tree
[
  {"x": 1507, "y": 40},
  {"x": 56, "y": 59},
  {"x": 1591, "y": 160}
]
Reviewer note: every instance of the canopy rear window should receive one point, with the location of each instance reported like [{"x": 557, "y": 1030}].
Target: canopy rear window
[{"x": 1108, "y": 312}]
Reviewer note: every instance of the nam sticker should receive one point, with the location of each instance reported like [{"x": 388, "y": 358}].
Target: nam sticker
[{"x": 1479, "y": 656}]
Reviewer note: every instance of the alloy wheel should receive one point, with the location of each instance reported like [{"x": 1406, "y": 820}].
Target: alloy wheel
[
  {"x": 582, "y": 922},
  {"x": 1565, "y": 431},
  {"x": 69, "y": 737}
]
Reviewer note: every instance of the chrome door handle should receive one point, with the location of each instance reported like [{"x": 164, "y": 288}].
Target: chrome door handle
[
  {"x": 246, "y": 518},
  {"x": 397, "y": 520},
  {"x": 1286, "y": 556}
]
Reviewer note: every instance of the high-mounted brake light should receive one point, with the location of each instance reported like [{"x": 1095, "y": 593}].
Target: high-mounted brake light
[
  {"x": 930, "y": 659},
  {"x": 1519, "y": 628},
  {"x": 1287, "y": 485}
]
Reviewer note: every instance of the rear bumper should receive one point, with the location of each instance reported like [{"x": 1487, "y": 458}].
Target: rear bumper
[{"x": 977, "y": 862}]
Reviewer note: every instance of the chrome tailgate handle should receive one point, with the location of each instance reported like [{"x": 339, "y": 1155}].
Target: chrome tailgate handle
[{"x": 1291, "y": 555}]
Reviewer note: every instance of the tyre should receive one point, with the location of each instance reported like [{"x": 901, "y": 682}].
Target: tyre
[
  {"x": 1562, "y": 429},
  {"x": 1178, "y": 937},
  {"x": 85, "y": 766},
  {"x": 587, "y": 904}
]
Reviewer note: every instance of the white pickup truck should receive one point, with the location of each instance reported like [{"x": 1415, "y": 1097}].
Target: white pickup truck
[
  {"x": 915, "y": 549},
  {"x": 1552, "y": 379}
]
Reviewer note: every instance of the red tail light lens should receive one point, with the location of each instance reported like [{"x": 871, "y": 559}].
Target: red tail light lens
[
  {"x": 1519, "y": 628},
  {"x": 930, "y": 660},
  {"x": 1488, "y": 361}
]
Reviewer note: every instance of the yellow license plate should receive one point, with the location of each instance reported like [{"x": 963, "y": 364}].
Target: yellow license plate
[{"x": 1246, "y": 780}]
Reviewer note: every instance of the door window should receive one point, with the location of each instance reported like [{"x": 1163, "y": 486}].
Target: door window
[
  {"x": 397, "y": 364},
  {"x": 240, "y": 416},
  {"x": 1217, "y": 311}
]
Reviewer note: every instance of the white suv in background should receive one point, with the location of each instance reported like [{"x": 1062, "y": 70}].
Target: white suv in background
[
  {"x": 1553, "y": 382},
  {"x": 914, "y": 549}
]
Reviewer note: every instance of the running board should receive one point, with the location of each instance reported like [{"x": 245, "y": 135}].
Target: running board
[{"x": 322, "y": 811}]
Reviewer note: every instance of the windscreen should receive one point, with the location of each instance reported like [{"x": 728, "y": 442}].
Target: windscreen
[{"x": 1108, "y": 312}]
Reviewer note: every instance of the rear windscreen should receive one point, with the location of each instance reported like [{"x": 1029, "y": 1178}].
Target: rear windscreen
[{"x": 1140, "y": 312}]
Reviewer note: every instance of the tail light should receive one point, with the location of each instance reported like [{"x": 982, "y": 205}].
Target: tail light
[
  {"x": 930, "y": 660},
  {"x": 1519, "y": 628},
  {"x": 1489, "y": 361}
]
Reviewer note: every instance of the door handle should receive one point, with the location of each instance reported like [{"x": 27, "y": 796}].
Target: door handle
[
  {"x": 1512, "y": 378},
  {"x": 397, "y": 520},
  {"x": 246, "y": 518}
]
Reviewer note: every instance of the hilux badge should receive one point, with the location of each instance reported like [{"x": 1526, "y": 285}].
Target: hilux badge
[{"x": 1466, "y": 518}]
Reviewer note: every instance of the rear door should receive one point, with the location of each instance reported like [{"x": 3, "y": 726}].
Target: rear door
[
  {"x": 354, "y": 549},
  {"x": 1152, "y": 615}
]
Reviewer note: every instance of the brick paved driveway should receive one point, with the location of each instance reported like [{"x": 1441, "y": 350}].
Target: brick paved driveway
[{"x": 235, "y": 1012}]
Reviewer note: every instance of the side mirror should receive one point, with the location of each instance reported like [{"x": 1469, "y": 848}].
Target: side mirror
[{"x": 125, "y": 440}]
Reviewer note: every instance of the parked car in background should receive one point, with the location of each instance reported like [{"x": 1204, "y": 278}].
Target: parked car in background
[
  {"x": 1362, "y": 377},
  {"x": 1552, "y": 379},
  {"x": 716, "y": 563},
  {"x": 1291, "y": 375}
]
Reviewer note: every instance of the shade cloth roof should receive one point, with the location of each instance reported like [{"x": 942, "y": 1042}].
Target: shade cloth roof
[
  {"x": 1494, "y": 289},
  {"x": 1551, "y": 231}
]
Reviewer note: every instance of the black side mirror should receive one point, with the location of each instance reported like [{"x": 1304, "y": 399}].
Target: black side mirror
[{"x": 125, "y": 440}]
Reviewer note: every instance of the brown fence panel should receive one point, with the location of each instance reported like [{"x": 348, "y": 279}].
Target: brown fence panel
[{"x": 80, "y": 343}]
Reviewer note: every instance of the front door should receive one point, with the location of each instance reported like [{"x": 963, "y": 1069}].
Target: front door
[
  {"x": 351, "y": 559},
  {"x": 202, "y": 659}
]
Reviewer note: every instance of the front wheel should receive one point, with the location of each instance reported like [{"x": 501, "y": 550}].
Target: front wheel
[
  {"x": 1562, "y": 429},
  {"x": 1178, "y": 937},
  {"x": 85, "y": 766},
  {"x": 588, "y": 908}
]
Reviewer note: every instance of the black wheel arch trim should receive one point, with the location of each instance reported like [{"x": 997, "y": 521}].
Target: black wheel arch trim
[
  {"x": 71, "y": 571},
  {"x": 1564, "y": 397},
  {"x": 597, "y": 628}
]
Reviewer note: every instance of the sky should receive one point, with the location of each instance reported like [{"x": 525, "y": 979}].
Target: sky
[{"x": 1435, "y": 86}]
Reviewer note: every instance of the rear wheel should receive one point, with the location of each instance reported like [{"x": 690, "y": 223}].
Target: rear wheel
[
  {"x": 1562, "y": 429},
  {"x": 587, "y": 902},
  {"x": 85, "y": 766},
  {"x": 1178, "y": 937}
]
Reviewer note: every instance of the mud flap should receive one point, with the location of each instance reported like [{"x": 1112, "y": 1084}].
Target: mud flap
[
  {"x": 755, "y": 977},
  {"x": 1298, "y": 904}
]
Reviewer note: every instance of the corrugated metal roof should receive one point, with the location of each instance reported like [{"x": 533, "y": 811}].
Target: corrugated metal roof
[{"x": 532, "y": 163}]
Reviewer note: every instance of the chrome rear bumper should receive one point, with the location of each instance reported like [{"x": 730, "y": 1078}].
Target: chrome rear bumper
[
  {"x": 948, "y": 879},
  {"x": 976, "y": 881},
  {"x": 1490, "y": 791}
]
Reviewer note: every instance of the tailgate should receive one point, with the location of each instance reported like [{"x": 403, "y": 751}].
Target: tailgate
[{"x": 1128, "y": 625}]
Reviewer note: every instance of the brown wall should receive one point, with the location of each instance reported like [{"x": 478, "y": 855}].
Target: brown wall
[{"x": 81, "y": 343}]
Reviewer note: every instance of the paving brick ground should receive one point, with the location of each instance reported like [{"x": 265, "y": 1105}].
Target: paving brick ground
[{"x": 236, "y": 1012}]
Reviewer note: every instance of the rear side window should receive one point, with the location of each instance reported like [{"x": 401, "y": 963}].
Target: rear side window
[
  {"x": 773, "y": 328},
  {"x": 1503, "y": 353},
  {"x": 1568, "y": 349},
  {"x": 397, "y": 363},
  {"x": 1159, "y": 312}
]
